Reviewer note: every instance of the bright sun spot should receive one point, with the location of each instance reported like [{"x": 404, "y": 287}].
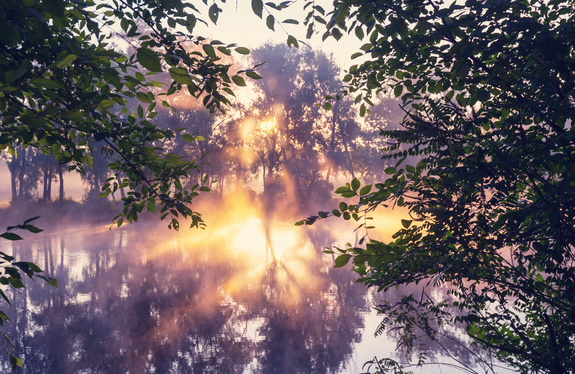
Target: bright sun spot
[{"x": 267, "y": 126}]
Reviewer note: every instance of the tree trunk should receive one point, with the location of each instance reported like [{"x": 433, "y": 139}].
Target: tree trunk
[
  {"x": 331, "y": 143},
  {"x": 61, "y": 179},
  {"x": 348, "y": 154},
  {"x": 49, "y": 185},
  {"x": 13, "y": 184},
  {"x": 47, "y": 180},
  {"x": 22, "y": 172}
]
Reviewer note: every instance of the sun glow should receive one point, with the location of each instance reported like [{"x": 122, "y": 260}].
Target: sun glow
[
  {"x": 262, "y": 249},
  {"x": 268, "y": 126}
]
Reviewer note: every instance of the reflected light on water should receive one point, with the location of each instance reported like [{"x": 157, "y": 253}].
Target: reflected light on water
[
  {"x": 250, "y": 294},
  {"x": 266, "y": 255}
]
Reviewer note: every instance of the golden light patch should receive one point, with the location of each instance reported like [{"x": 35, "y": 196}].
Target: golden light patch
[
  {"x": 247, "y": 128},
  {"x": 387, "y": 222},
  {"x": 264, "y": 252},
  {"x": 268, "y": 126}
]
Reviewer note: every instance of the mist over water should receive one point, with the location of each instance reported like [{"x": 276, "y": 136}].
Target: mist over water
[
  {"x": 250, "y": 294},
  {"x": 144, "y": 299}
]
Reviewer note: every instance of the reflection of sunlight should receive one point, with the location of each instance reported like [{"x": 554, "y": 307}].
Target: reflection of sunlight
[
  {"x": 249, "y": 283},
  {"x": 248, "y": 237},
  {"x": 285, "y": 240},
  {"x": 266, "y": 255}
]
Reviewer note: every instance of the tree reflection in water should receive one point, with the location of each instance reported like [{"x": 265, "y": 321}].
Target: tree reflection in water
[
  {"x": 451, "y": 349},
  {"x": 129, "y": 301}
]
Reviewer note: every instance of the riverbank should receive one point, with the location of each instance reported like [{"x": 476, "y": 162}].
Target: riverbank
[{"x": 57, "y": 213}]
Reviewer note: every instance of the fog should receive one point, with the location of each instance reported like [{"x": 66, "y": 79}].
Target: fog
[{"x": 242, "y": 296}]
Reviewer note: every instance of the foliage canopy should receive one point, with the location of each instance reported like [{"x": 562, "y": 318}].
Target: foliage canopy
[
  {"x": 64, "y": 85},
  {"x": 488, "y": 91}
]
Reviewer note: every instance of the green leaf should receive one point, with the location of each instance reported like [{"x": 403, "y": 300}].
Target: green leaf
[
  {"x": 355, "y": 184},
  {"x": 149, "y": 59},
  {"x": 362, "y": 110},
  {"x": 66, "y": 61},
  {"x": 238, "y": 80},
  {"x": 214, "y": 12},
  {"x": 4, "y": 296},
  {"x": 189, "y": 138},
  {"x": 270, "y": 22},
  {"x": 242, "y": 50},
  {"x": 106, "y": 103},
  {"x": 342, "y": 260},
  {"x": 291, "y": 41},
  {"x": 258, "y": 7},
  {"x": 14, "y": 361},
  {"x": 34, "y": 267},
  {"x": 32, "y": 228},
  {"x": 173, "y": 159},
  {"x": 390, "y": 170},
  {"x": 11, "y": 236},
  {"x": 336, "y": 33},
  {"x": 210, "y": 51},
  {"x": 190, "y": 23},
  {"x": 16, "y": 282},
  {"x": 406, "y": 223},
  {"x": 365, "y": 190},
  {"x": 46, "y": 83},
  {"x": 180, "y": 75},
  {"x": 291, "y": 21},
  {"x": 151, "y": 207},
  {"x": 253, "y": 75},
  {"x": 310, "y": 30},
  {"x": 51, "y": 281},
  {"x": 13, "y": 75},
  {"x": 144, "y": 97},
  {"x": 31, "y": 219}
]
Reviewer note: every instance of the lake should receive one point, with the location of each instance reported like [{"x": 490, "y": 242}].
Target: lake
[{"x": 242, "y": 296}]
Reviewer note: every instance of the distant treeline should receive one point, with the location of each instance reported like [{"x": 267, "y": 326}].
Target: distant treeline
[{"x": 282, "y": 136}]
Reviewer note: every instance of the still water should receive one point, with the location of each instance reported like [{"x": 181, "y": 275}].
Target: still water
[{"x": 239, "y": 297}]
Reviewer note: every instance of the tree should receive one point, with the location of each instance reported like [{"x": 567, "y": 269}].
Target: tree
[
  {"x": 24, "y": 173},
  {"x": 487, "y": 88},
  {"x": 64, "y": 87},
  {"x": 292, "y": 138}
]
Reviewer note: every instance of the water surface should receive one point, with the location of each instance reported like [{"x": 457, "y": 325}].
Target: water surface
[{"x": 242, "y": 296}]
